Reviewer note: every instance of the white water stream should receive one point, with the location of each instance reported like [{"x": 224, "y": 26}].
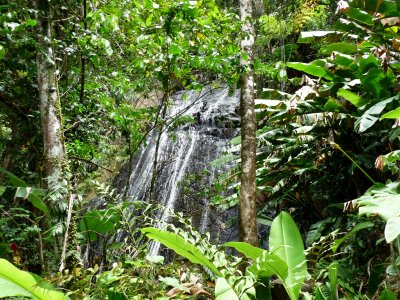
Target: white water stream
[{"x": 191, "y": 150}]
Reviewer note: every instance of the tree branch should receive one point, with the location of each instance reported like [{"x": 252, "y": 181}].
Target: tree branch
[{"x": 90, "y": 162}]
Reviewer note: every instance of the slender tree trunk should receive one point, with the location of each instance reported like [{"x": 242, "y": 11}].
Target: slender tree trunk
[
  {"x": 248, "y": 225},
  {"x": 53, "y": 139},
  {"x": 55, "y": 158}
]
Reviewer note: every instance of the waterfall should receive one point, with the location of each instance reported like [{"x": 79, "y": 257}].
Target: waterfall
[{"x": 187, "y": 150}]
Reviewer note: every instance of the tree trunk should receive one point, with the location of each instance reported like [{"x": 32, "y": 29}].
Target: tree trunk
[
  {"x": 248, "y": 226},
  {"x": 55, "y": 159},
  {"x": 53, "y": 139}
]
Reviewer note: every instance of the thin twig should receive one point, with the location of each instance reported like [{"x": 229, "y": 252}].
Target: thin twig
[{"x": 90, "y": 162}]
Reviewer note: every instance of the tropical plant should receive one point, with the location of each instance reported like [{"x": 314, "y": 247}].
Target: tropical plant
[
  {"x": 328, "y": 134},
  {"x": 286, "y": 259},
  {"x": 17, "y": 283}
]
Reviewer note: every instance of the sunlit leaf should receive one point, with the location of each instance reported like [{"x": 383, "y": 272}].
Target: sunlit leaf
[
  {"x": 285, "y": 241},
  {"x": 180, "y": 246},
  {"x": 393, "y": 114},
  {"x": 371, "y": 115},
  {"x": 311, "y": 69},
  {"x": 17, "y": 283},
  {"x": 354, "y": 99}
]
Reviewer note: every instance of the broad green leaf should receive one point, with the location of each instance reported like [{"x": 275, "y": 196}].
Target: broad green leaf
[
  {"x": 336, "y": 243},
  {"x": 387, "y": 295},
  {"x": 99, "y": 221},
  {"x": 14, "y": 283},
  {"x": 32, "y": 195},
  {"x": 267, "y": 265},
  {"x": 393, "y": 114},
  {"x": 372, "y": 81},
  {"x": 247, "y": 249},
  {"x": 392, "y": 229},
  {"x": 381, "y": 6},
  {"x": 391, "y": 157},
  {"x": 371, "y": 115},
  {"x": 25, "y": 192},
  {"x": 359, "y": 15},
  {"x": 341, "y": 47},
  {"x": 380, "y": 199},
  {"x": 311, "y": 69},
  {"x": 224, "y": 291},
  {"x": 354, "y": 99},
  {"x": 344, "y": 60},
  {"x": 285, "y": 241},
  {"x": 383, "y": 200},
  {"x": 368, "y": 62},
  {"x": 15, "y": 181},
  {"x": 180, "y": 246}
]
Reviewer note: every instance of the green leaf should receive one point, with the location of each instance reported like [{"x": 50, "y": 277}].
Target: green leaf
[
  {"x": 2, "y": 52},
  {"x": 247, "y": 249},
  {"x": 31, "y": 22},
  {"x": 336, "y": 243},
  {"x": 368, "y": 62},
  {"x": 311, "y": 69},
  {"x": 170, "y": 281},
  {"x": 383, "y": 200},
  {"x": 17, "y": 283},
  {"x": 224, "y": 291},
  {"x": 15, "y": 181},
  {"x": 333, "y": 279},
  {"x": 149, "y": 20},
  {"x": 372, "y": 81},
  {"x": 354, "y": 99},
  {"x": 285, "y": 241},
  {"x": 371, "y": 115},
  {"x": 392, "y": 229},
  {"x": 174, "y": 49},
  {"x": 267, "y": 265},
  {"x": 387, "y": 295},
  {"x": 341, "y": 47},
  {"x": 180, "y": 246},
  {"x": 344, "y": 60},
  {"x": 359, "y": 15},
  {"x": 393, "y": 114},
  {"x": 99, "y": 221},
  {"x": 25, "y": 192}
]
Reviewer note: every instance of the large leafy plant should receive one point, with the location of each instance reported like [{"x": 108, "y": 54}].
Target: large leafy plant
[
  {"x": 318, "y": 143},
  {"x": 14, "y": 283},
  {"x": 286, "y": 259}
]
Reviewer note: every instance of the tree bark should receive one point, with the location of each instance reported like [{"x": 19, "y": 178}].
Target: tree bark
[
  {"x": 55, "y": 158},
  {"x": 248, "y": 225},
  {"x": 50, "y": 110}
]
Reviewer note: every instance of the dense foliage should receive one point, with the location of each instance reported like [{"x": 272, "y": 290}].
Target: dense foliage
[{"x": 328, "y": 137}]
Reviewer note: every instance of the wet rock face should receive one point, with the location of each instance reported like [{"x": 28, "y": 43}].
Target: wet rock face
[{"x": 184, "y": 157}]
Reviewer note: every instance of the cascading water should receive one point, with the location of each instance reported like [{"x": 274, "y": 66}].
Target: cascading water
[{"x": 187, "y": 150}]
